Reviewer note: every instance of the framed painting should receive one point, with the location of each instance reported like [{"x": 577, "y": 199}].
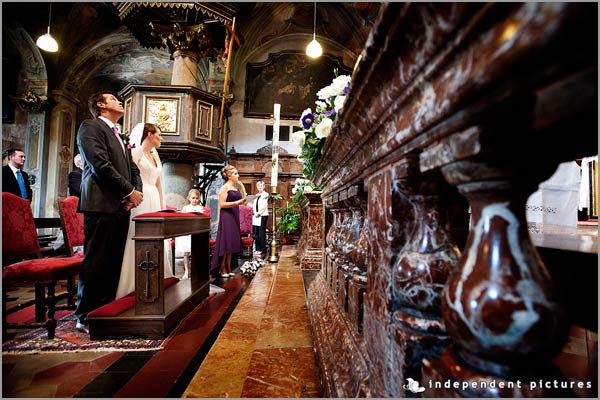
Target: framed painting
[
  {"x": 290, "y": 79},
  {"x": 163, "y": 111}
]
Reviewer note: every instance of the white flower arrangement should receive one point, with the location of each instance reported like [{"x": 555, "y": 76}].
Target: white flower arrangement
[
  {"x": 316, "y": 127},
  {"x": 249, "y": 268}
]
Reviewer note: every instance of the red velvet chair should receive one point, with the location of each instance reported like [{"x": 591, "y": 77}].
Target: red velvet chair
[
  {"x": 72, "y": 224},
  {"x": 74, "y": 236},
  {"x": 246, "y": 230},
  {"x": 19, "y": 241}
]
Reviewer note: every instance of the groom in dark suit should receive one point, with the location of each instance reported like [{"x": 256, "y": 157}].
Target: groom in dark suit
[{"x": 110, "y": 187}]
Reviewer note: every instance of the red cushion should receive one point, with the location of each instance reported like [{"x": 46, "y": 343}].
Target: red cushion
[
  {"x": 123, "y": 304},
  {"x": 42, "y": 269},
  {"x": 72, "y": 220},
  {"x": 170, "y": 214},
  {"x": 19, "y": 236},
  {"x": 247, "y": 241},
  {"x": 245, "y": 219}
]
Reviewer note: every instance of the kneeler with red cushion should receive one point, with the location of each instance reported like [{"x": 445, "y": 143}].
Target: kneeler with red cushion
[
  {"x": 246, "y": 230},
  {"x": 19, "y": 240}
]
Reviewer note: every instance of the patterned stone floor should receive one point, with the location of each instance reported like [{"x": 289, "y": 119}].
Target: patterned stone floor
[
  {"x": 265, "y": 350},
  {"x": 251, "y": 341}
]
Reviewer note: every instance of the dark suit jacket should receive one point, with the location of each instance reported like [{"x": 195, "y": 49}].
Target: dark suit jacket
[
  {"x": 108, "y": 174},
  {"x": 10, "y": 184},
  {"x": 75, "y": 183}
]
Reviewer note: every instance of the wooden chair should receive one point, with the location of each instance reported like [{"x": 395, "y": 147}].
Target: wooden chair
[
  {"x": 246, "y": 230},
  {"x": 19, "y": 241}
]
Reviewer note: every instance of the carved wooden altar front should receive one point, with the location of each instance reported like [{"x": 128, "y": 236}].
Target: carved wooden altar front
[
  {"x": 455, "y": 114},
  {"x": 157, "y": 310}
]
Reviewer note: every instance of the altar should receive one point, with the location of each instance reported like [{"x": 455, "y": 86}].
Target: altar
[{"x": 157, "y": 305}]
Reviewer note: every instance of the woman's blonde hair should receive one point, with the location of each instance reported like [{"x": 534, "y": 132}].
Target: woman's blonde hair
[{"x": 227, "y": 170}]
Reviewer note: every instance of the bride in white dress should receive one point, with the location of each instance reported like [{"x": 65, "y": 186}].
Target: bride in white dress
[{"x": 145, "y": 139}]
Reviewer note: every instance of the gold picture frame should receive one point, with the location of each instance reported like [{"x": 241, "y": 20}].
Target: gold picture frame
[{"x": 163, "y": 111}]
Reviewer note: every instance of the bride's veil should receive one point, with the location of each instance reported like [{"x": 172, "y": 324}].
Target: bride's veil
[{"x": 135, "y": 138}]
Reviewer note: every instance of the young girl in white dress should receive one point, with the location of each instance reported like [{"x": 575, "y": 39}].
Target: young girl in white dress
[
  {"x": 145, "y": 138},
  {"x": 184, "y": 243}
]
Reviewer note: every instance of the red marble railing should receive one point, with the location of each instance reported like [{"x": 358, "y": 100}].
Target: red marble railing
[{"x": 454, "y": 106}]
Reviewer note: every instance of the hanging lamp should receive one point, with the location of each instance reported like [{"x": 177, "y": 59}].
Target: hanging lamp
[
  {"x": 314, "y": 49},
  {"x": 46, "y": 41}
]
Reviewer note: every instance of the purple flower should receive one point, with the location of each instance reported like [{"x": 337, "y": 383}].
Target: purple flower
[
  {"x": 329, "y": 113},
  {"x": 307, "y": 120},
  {"x": 345, "y": 91}
]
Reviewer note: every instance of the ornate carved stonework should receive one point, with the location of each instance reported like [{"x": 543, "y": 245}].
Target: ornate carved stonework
[{"x": 463, "y": 92}]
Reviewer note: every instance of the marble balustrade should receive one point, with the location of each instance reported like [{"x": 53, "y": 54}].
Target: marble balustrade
[{"x": 453, "y": 107}]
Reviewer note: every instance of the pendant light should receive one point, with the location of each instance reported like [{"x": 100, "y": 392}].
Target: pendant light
[
  {"x": 46, "y": 41},
  {"x": 314, "y": 49}
]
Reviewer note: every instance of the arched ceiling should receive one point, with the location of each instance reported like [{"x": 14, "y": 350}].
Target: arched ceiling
[{"x": 98, "y": 44}]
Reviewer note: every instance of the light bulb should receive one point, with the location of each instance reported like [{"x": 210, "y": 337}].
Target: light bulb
[
  {"x": 314, "y": 49},
  {"x": 47, "y": 42}
]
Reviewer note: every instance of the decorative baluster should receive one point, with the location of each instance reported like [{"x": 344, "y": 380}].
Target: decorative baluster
[
  {"x": 331, "y": 249},
  {"x": 419, "y": 273},
  {"x": 347, "y": 269},
  {"x": 341, "y": 261},
  {"x": 499, "y": 306},
  {"x": 357, "y": 285}
]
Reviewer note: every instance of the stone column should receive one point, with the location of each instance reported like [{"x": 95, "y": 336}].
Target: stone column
[
  {"x": 310, "y": 245},
  {"x": 61, "y": 148},
  {"x": 187, "y": 44},
  {"x": 185, "y": 65}
]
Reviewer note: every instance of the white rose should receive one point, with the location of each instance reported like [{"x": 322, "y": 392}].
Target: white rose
[
  {"x": 324, "y": 128},
  {"x": 338, "y": 103},
  {"x": 321, "y": 106},
  {"x": 324, "y": 93},
  {"x": 337, "y": 86},
  {"x": 308, "y": 188},
  {"x": 298, "y": 137}
]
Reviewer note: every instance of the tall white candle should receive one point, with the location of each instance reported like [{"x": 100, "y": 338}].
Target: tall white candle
[{"x": 276, "y": 111}]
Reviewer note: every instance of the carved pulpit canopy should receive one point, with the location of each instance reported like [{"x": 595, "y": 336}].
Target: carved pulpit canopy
[{"x": 178, "y": 24}]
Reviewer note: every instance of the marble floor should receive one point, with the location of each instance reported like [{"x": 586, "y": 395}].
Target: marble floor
[{"x": 253, "y": 340}]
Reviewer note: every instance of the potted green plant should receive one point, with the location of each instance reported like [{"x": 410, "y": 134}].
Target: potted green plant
[{"x": 289, "y": 222}]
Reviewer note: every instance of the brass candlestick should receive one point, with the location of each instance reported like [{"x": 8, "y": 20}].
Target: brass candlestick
[{"x": 274, "y": 256}]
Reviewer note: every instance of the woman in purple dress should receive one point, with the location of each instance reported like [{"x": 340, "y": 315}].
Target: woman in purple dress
[{"x": 228, "y": 234}]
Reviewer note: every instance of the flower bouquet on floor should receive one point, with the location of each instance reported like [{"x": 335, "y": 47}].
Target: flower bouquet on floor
[{"x": 249, "y": 268}]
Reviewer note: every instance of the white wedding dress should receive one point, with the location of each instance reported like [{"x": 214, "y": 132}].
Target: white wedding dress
[{"x": 150, "y": 174}]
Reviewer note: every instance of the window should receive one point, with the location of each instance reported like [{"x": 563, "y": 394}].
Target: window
[{"x": 284, "y": 133}]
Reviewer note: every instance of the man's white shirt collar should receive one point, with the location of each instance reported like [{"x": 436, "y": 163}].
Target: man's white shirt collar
[
  {"x": 14, "y": 170},
  {"x": 108, "y": 122}
]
